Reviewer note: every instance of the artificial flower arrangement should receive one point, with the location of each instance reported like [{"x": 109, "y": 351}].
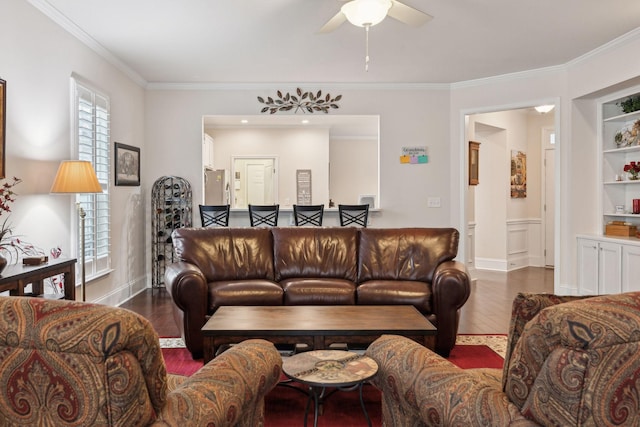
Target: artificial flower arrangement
[
  {"x": 11, "y": 247},
  {"x": 633, "y": 168}
]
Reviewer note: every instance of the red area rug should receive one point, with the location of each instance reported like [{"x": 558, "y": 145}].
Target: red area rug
[{"x": 285, "y": 407}]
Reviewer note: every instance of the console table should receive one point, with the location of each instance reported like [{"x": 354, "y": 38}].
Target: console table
[{"x": 15, "y": 277}]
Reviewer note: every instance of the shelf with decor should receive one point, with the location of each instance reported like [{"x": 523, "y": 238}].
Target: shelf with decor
[
  {"x": 620, "y": 148},
  {"x": 609, "y": 259}
]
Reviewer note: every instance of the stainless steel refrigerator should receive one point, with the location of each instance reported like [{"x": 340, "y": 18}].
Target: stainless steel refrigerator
[{"x": 216, "y": 187}]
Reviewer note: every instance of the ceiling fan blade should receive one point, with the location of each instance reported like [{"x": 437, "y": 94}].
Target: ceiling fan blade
[
  {"x": 333, "y": 23},
  {"x": 407, "y": 14}
]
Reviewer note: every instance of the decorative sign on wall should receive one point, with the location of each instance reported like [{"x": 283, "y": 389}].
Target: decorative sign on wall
[
  {"x": 414, "y": 155},
  {"x": 518, "y": 174},
  {"x": 308, "y": 102},
  {"x": 303, "y": 186}
]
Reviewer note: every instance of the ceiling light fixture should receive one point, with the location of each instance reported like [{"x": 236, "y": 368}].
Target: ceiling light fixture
[
  {"x": 543, "y": 109},
  {"x": 366, "y": 13}
]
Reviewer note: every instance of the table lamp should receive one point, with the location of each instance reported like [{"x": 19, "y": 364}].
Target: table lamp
[{"x": 77, "y": 176}]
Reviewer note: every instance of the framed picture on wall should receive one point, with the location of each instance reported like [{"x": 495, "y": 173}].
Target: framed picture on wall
[
  {"x": 127, "y": 164},
  {"x": 474, "y": 163},
  {"x": 3, "y": 125}
]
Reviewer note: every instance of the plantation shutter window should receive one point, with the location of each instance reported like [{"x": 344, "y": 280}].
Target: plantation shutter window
[{"x": 93, "y": 144}]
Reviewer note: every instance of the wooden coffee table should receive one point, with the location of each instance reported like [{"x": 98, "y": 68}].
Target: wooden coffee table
[{"x": 316, "y": 326}]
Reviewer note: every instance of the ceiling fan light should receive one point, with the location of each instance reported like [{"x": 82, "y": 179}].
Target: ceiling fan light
[
  {"x": 366, "y": 12},
  {"x": 543, "y": 109}
]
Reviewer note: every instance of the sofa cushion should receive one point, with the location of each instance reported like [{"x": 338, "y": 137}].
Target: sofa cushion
[
  {"x": 315, "y": 252},
  {"x": 404, "y": 253},
  {"x": 226, "y": 253},
  {"x": 319, "y": 291},
  {"x": 576, "y": 363},
  {"x": 243, "y": 292},
  {"x": 404, "y": 292}
]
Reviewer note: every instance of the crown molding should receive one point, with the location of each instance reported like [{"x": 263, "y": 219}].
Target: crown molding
[
  {"x": 68, "y": 25},
  {"x": 509, "y": 77},
  {"x": 632, "y": 35}
]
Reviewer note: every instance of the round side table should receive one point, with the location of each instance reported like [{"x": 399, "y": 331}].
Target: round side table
[{"x": 322, "y": 369}]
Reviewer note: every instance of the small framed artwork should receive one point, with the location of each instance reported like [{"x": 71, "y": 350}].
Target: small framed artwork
[
  {"x": 474, "y": 163},
  {"x": 127, "y": 165},
  {"x": 3, "y": 125},
  {"x": 518, "y": 174}
]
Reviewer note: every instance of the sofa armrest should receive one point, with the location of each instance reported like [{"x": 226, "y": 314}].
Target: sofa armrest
[
  {"x": 451, "y": 288},
  {"x": 188, "y": 288},
  {"x": 228, "y": 391},
  {"x": 421, "y": 388}
]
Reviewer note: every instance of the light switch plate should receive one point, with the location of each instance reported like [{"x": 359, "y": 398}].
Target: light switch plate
[{"x": 433, "y": 202}]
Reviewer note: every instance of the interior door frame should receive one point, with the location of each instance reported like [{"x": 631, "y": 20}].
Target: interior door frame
[
  {"x": 234, "y": 172},
  {"x": 463, "y": 161}
]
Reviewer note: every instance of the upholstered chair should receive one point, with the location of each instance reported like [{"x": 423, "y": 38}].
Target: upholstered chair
[
  {"x": 574, "y": 363},
  {"x": 64, "y": 363}
]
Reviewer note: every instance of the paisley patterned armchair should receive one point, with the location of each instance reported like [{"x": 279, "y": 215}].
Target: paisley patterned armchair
[
  {"x": 64, "y": 363},
  {"x": 574, "y": 363}
]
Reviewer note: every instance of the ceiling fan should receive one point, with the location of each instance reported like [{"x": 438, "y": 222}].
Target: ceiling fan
[{"x": 367, "y": 13}]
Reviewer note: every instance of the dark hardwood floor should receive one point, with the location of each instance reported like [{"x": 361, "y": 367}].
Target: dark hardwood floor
[{"x": 486, "y": 312}]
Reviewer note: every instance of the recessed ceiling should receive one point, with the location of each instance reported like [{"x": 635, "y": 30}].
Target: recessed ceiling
[
  {"x": 251, "y": 41},
  {"x": 339, "y": 126}
]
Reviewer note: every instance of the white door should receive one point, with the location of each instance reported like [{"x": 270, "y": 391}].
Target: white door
[
  {"x": 549, "y": 209},
  {"x": 255, "y": 184}
]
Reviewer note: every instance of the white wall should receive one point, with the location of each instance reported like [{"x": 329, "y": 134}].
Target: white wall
[
  {"x": 37, "y": 61},
  {"x": 38, "y": 57},
  {"x": 174, "y": 128},
  {"x": 353, "y": 169},
  {"x": 294, "y": 149}
]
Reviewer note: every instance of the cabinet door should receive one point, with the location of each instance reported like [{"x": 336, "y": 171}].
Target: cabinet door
[
  {"x": 610, "y": 268},
  {"x": 587, "y": 267},
  {"x": 630, "y": 268}
]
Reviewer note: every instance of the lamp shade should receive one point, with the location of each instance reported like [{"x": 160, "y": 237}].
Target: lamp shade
[
  {"x": 76, "y": 176},
  {"x": 366, "y": 12}
]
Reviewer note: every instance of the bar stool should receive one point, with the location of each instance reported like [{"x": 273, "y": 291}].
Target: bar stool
[
  {"x": 353, "y": 214},
  {"x": 264, "y": 215},
  {"x": 308, "y": 214},
  {"x": 214, "y": 215}
]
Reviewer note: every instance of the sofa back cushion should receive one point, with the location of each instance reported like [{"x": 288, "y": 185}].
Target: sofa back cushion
[
  {"x": 316, "y": 252},
  {"x": 404, "y": 253},
  {"x": 578, "y": 363},
  {"x": 224, "y": 253}
]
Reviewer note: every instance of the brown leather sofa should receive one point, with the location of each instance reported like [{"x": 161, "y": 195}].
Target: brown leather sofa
[{"x": 316, "y": 266}]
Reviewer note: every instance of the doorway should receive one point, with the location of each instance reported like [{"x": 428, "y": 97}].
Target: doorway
[
  {"x": 505, "y": 232},
  {"x": 254, "y": 181}
]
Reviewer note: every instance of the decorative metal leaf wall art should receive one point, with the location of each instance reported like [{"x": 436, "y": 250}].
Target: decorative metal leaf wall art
[{"x": 308, "y": 102}]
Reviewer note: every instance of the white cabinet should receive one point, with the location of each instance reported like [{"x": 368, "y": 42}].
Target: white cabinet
[
  {"x": 599, "y": 267},
  {"x": 207, "y": 152},
  {"x": 608, "y": 265},
  {"x": 587, "y": 266},
  {"x": 630, "y": 268}
]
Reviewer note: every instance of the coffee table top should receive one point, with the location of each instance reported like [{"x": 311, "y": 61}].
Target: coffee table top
[
  {"x": 329, "y": 368},
  {"x": 318, "y": 320}
]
